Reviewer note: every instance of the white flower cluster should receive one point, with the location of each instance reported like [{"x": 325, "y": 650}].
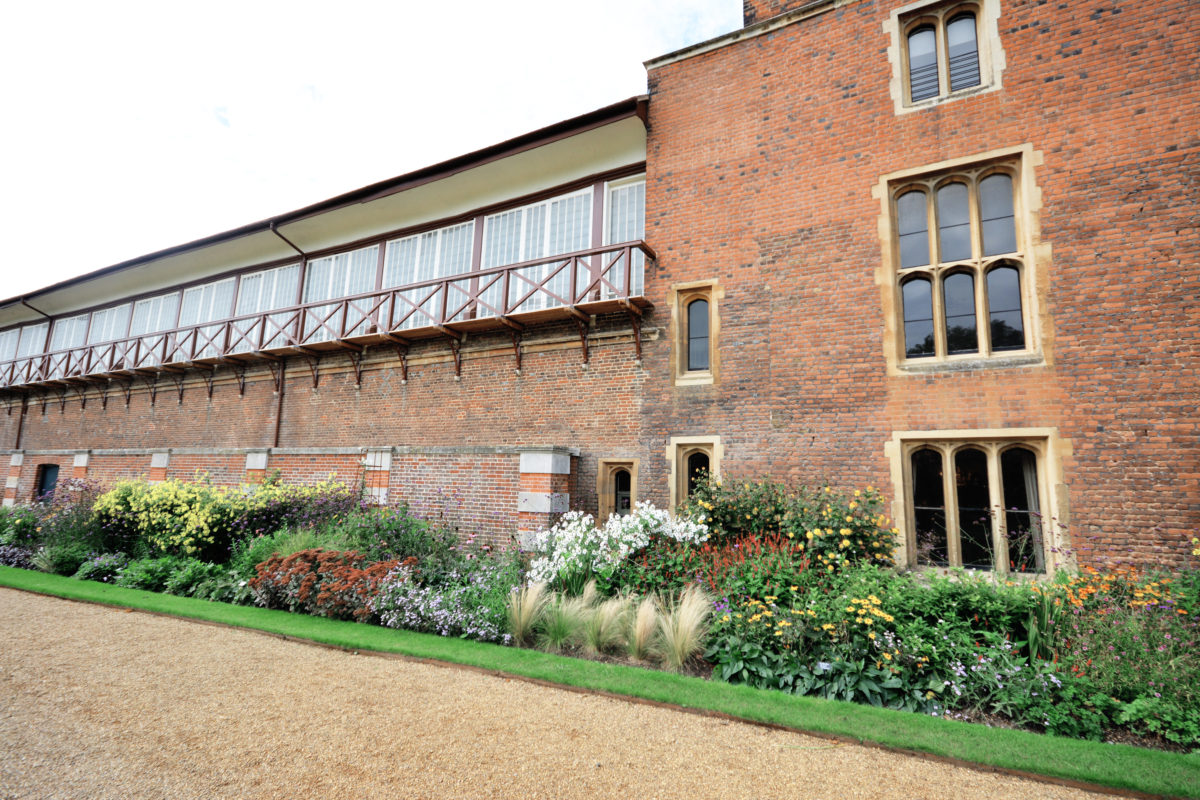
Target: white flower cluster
[{"x": 577, "y": 545}]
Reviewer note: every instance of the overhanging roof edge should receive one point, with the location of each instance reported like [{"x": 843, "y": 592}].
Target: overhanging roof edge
[{"x": 630, "y": 107}]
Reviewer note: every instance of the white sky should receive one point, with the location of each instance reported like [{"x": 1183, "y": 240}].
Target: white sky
[{"x": 128, "y": 127}]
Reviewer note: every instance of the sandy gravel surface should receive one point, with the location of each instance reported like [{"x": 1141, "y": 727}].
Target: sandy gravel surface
[{"x": 100, "y": 703}]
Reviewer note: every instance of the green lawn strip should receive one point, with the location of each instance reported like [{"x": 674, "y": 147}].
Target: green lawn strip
[{"x": 1119, "y": 766}]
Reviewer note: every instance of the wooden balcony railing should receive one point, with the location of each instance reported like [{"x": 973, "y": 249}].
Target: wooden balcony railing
[{"x": 572, "y": 285}]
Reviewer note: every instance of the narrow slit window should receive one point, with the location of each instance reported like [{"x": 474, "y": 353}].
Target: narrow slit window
[
  {"x": 1004, "y": 308},
  {"x": 622, "y": 493},
  {"x": 954, "y": 223},
  {"x": 963, "y": 52},
  {"x": 697, "y": 336},
  {"x": 996, "y": 215},
  {"x": 929, "y": 508},
  {"x": 698, "y": 466},
  {"x": 974, "y": 508},
  {"x": 1022, "y": 512},
  {"x": 922, "y": 63},
  {"x": 959, "y": 299},
  {"x": 918, "y": 318},
  {"x": 913, "y": 226}
]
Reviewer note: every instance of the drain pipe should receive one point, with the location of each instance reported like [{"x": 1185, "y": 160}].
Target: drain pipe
[
  {"x": 21, "y": 420},
  {"x": 283, "y": 362}
]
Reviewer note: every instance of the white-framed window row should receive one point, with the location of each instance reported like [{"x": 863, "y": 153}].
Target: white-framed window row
[{"x": 554, "y": 226}]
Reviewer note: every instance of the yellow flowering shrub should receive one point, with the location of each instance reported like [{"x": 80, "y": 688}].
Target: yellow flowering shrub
[{"x": 193, "y": 518}]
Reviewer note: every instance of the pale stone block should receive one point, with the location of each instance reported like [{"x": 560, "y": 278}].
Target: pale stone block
[
  {"x": 256, "y": 459},
  {"x": 17, "y": 459},
  {"x": 543, "y": 502},
  {"x": 545, "y": 463},
  {"x": 160, "y": 460},
  {"x": 81, "y": 459}
]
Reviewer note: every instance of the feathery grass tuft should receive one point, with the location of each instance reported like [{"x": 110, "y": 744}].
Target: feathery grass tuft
[
  {"x": 641, "y": 634},
  {"x": 525, "y": 607},
  {"x": 682, "y": 627},
  {"x": 604, "y": 626},
  {"x": 561, "y": 624}
]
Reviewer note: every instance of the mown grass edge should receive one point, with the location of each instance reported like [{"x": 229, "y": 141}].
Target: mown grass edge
[{"x": 1121, "y": 767}]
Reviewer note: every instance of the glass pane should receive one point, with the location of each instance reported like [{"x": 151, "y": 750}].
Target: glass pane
[
  {"x": 1023, "y": 523},
  {"x": 974, "y": 518},
  {"x": 959, "y": 297},
  {"x": 697, "y": 335},
  {"x": 929, "y": 508},
  {"x": 922, "y": 64},
  {"x": 913, "y": 225},
  {"x": 954, "y": 223},
  {"x": 697, "y": 468},
  {"x": 622, "y": 492},
  {"x": 1004, "y": 309},
  {"x": 996, "y": 211},
  {"x": 8, "y": 344},
  {"x": 964, "y": 53},
  {"x": 918, "y": 318},
  {"x": 33, "y": 340}
]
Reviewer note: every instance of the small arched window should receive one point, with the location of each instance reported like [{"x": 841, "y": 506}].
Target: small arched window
[
  {"x": 912, "y": 224},
  {"x": 996, "y": 214},
  {"x": 954, "y": 223},
  {"x": 698, "y": 466},
  {"x": 1004, "y": 308},
  {"x": 962, "y": 52},
  {"x": 697, "y": 336},
  {"x": 929, "y": 508},
  {"x": 974, "y": 508},
  {"x": 622, "y": 492},
  {"x": 923, "y": 63},
  {"x": 918, "y": 318},
  {"x": 958, "y": 292}
]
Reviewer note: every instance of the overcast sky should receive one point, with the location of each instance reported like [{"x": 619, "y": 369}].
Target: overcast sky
[{"x": 129, "y": 127}]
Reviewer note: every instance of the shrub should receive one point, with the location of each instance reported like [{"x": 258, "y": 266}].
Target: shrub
[
  {"x": 832, "y": 527},
  {"x": 61, "y": 559},
  {"x": 324, "y": 583},
  {"x": 190, "y": 574},
  {"x": 18, "y": 526},
  {"x": 576, "y": 550},
  {"x": 104, "y": 568},
  {"x": 198, "y": 520},
  {"x": 13, "y": 556},
  {"x": 393, "y": 532},
  {"x": 249, "y": 553},
  {"x": 150, "y": 574},
  {"x": 228, "y": 586},
  {"x": 471, "y": 601}
]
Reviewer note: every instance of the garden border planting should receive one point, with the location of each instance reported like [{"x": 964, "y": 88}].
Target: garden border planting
[{"x": 1096, "y": 766}]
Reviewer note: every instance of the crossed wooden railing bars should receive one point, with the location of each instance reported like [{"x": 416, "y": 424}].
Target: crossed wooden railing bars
[{"x": 572, "y": 285}]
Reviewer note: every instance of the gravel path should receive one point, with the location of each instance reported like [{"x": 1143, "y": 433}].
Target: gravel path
[{"x": 100, "y": 703}]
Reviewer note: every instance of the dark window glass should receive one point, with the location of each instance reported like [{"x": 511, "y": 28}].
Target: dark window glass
[
  {"x": 47, "y": 477},
  {"x": 922, "y": 63},
  {"x": 918, "y": 318},
  {"x": 1022, "y": 518},
  {"x": 622, "y": 492},
  {"x": 1004, "y": 308},
  {"x": 963, "y": 52},
  {"x": 697, "y": 335},
  {"x": 697, "y": 469},
  {"x": 996, "y": 213},
  {"x": 974, "y": 519},
  {"x": 913, "y": 226},
  {"x": 954, "y": 223},
  {"x": 929, "y": 508},
  {"x": 959, "y": 298}
]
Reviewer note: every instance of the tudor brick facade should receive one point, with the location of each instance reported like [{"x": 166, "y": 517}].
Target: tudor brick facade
[{"x": 772, "y": 160}]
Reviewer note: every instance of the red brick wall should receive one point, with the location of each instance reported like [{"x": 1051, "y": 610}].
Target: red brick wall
[{"x": 761, "y": 163}]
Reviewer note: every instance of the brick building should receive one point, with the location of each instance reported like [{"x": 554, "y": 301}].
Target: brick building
[{"x": 946, "y": 248}]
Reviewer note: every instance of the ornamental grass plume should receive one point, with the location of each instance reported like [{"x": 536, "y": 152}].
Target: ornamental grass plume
[
  {"x": 605, "y": 623},
  {"x": 645, "y": 623},
  {"x": 682, "y": 627},
  {"x": 525, "y": 606},
  {"x": 561, "y": 622}
]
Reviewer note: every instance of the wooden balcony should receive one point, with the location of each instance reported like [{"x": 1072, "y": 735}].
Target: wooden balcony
[{"x": 572, "y": 286}]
